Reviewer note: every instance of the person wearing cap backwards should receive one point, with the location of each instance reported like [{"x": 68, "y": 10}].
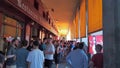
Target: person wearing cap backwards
[
  {"x": 35, "y": 58},
  {"x": 78, "y": 58}
]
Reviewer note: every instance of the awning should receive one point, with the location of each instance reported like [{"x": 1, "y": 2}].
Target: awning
[
  {"x": 73, "y": 29},
  {"x": 83, "y": 19},
  {"x": 76, "y": 24},
  {"x": 94, "y": 15},
  {"x": 80, "y": 16}
]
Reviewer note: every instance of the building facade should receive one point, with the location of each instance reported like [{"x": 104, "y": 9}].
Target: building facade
[{"x": 25, "y": 19}]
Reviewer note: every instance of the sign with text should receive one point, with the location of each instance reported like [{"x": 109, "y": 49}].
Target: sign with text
[{"x": 30, "y": 11}]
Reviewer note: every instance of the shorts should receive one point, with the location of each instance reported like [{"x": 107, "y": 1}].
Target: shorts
[{"x": 48, "y": 63}]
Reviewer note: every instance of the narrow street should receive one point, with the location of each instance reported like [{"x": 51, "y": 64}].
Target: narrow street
[{"x": 62, "y": 65}]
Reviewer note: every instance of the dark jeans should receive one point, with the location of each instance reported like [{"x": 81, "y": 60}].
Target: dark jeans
[{"x": 48, "y": 63}]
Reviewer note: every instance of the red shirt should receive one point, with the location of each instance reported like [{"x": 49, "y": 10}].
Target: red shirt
[{"x": 98, "y": 60}]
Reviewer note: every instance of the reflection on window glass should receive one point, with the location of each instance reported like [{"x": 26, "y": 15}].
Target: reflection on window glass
[{"x": 9, "y": 31}]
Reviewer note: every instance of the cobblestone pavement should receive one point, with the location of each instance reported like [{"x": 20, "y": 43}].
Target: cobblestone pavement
[{"x": 62, "y": 65}]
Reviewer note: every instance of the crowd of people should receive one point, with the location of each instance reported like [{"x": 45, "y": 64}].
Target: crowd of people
[{"x": 42, "y": 53}]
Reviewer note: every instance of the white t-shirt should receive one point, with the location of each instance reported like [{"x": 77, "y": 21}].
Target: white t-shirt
[
  {"x": 36, "y": 58},
  {"x": 50, "y": 48}
]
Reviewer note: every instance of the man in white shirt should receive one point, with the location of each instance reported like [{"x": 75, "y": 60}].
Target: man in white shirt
[
  {"x": 35, "y": 58},
  {"x": 49, "y": 54}
]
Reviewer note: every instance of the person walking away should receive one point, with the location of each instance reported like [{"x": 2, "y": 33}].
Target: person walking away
[
  {"x": 35, "y": 58},
  {"x": 57, "y": 55},
  {"x": 21, "y": 55},
  {"x": 78, "y": 58}
]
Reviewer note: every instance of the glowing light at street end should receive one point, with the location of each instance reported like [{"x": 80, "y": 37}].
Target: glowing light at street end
[{"x": 68, "y": 37}]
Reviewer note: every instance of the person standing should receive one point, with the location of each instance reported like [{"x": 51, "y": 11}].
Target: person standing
[
  {"x": 11, "y": 54},
  {"x": 49, "y": 53},
  {"x": 72, "y": 46},
  {"x": 57, "y": 55},
  {"x": 97, "y": 59},
  {"x": 30, "y": 47},
  {"x": 21, "y": 55},
  {"x": 78, "y": 58},
  {"x": 35, "y": 58},
  {"x": 5, "y": 45},
  {"x": 42, "y": 47},
  {"x": 1, "y": 60}
]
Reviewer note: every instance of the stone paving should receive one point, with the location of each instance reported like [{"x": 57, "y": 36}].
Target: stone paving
[{"x": 62, "y": 65}]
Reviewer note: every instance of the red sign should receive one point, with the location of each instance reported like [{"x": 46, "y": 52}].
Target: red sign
[
  {"x": 99, "y": 39},
  {"x": 91, "y": 44},
  {"x": 93, "y": 40}
]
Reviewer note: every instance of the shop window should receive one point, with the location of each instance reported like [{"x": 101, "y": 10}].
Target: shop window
[
  {"x": 34, "y": 31},
  {"x": 47, "y": 13},
  {"x": 49, "y": 21},
  {"x": 10, "y": 21},
  {"x": 11, "y": 27},
  {"x": 36, "y": 4},
  {"x": 43, "y": 14},
  {"x": 9, "y": 31},
  {"x": 19, "y": 30}
]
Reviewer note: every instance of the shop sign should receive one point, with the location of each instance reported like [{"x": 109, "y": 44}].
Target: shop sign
[
  {"x": 29, "y": 10},
  {"x": 26, "y": 8}
]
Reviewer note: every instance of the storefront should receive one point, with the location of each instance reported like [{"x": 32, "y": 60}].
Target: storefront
[
  {"x": 11, "y": 27},
  {"x": 16, "y": 20},
  {"x": 12, "y": 23},
  {"x": 95, "y": 38},
  {"x": 28, "y": 32}
]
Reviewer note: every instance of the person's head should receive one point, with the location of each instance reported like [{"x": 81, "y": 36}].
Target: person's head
[
  {"x": 40, "y": 41},
  {"x": 35, "y": 44},
  {"x": 49, "y": 40},
  {"x": 54, "y": 42},
  {"x": 81, "y": 45},
  {"x": 61, "y": 42},
  {"x": 44, "y": 40},
  {"x": 15, "y": 42},
  {"x": 73, "y": 42},
  {"x": 4, "y": 39},
  {"x": 98, "y": 48},
  {"x": 24, "y": 43}
]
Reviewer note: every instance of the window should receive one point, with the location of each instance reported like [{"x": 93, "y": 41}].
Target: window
[
  {"x": 43, "y": 14},
  {"x": 36, "y": 4},
  {"x": 46, "y": 15},
  {"x": 11, "y": 27},
  {"x": 49, "y": 21}
]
